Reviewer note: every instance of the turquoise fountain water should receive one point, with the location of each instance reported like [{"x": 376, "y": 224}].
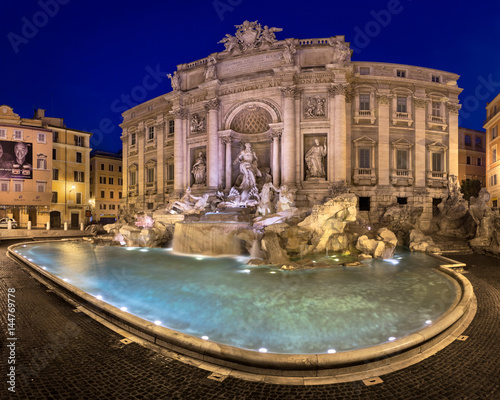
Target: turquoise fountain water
[{"x": 258, "y": 308}]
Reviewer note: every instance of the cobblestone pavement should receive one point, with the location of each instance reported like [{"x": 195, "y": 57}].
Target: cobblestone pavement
[{"x": 61, "y": 354}]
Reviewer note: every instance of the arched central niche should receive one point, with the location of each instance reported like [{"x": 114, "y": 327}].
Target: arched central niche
[{"x": 251, "y": 119}]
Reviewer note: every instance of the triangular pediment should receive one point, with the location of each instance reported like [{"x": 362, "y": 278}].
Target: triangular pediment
[
  {"x": 402, "y": 143},
  {"x": 365, "y": 139}
]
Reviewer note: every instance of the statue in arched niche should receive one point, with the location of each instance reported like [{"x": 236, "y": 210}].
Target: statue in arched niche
[
  {"x": 199, "y": 170},
  {"x": 314, "y": 160},
  {"x": 248, "y": 167}
]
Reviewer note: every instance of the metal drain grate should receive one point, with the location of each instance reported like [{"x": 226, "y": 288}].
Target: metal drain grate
[
  {"x": 372, "y": 381},
  {"x": 126, "y": 341},
  {"x": 217, "y": 377},
  {"x": 463, "y": 338}
]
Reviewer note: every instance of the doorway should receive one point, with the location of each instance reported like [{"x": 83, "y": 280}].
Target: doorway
[
  {"x": 16, "y": 215},
  {"x": 75, "y": 220},
  {"x": 32, "y": 215},
  {"x": 55, "y": 219}
]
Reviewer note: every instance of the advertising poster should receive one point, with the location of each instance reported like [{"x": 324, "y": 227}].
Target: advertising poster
[{"x": 16, "y": 160}]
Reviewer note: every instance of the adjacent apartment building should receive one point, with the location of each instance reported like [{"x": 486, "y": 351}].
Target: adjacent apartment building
[
  {"x": 492, "y": 125},
  {"x": 25, "y": 168},
  {"x": 106, "y": 186},
  {"x": 471, "y": 155}
]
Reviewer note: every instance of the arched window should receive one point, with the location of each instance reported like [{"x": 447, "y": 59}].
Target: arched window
[
  {"x": 468, "y": 141},
  {"x": 479, "y": 143}
]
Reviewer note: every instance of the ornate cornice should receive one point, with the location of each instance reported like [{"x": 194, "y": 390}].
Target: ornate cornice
[
  {"x": 384, "y": 98},
  {"x": 289, "y": 91},
  {"x": 453, "y": 108},
  {"x": 338, "y": 89},
  {"x": 212, "y": 104}
]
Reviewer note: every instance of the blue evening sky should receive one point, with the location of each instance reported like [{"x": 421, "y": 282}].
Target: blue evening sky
[{"x": 87, "y": 60}]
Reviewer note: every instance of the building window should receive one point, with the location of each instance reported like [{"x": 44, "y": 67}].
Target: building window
[
  {"x": 78, "y": 198},
  {"x": 479, "y": 161},
  {"x": 436, "y": 162},
  {"x": 436, "y": 78},
  {"x": 18, "y": 186},
  {"x": 18, "y": 135},
  {"x": 467, "y": 140},
  {"x": 102, "y": 180},
  {"x": 151, "y": 133},
  {"x": 110, "y": 167},
  {"x": 119, "y": 195},
  {"x": 102, "y": 206},
  {"x": 132, "y": 139},
  {"x": 111, "y": 181},
  {"x": 111, "y": 206},
  {"x": 479, "y": 143},
  {"x": 3, "y": 134},
  {"x": 171, "y": 126},
  {"x": 364, "y": 158},
  {"x": 150, "y": 206},
  {"x": 495, "y": 203},
  {"x": 41, "y": 161},
  {"x": 102, "y": 167},
  {"x": 364, "y": 70},
  {"x": 40, "y": 137},
  {"x": 436, "y": 109},
  {"x": 494, "y": 132},
  {"x": 401, "y": 105},
  {"x": 79, "y": 176},
  {"x": 150, "y": 175},
  {"x": 4, "y": 186},
  {"x": 468, "y": 160},
  {"x": 133, "y": 175},
  {"x": 54, "y": 197},
  {"x": 120, "y": 181},
  {"x": 170, "y": 172},
  {"x": 402, "y": 159},
  {"x": 78, "y": 157},
  {"x": 364, "y": 102},
  {"x": 55, "y": 137},
  {"x": 364, "y": 204},
  {"x": 401, "y": 73},
  {"x": 119, "y": 168},
  {"x": 79, "y": 141},
  {"x": 402, "y": 200},
  {"x": 493, "y": 180},
  {"x": 55, "y": 174},
  {"x": 111, "y": 195},
  {"x": 54, "y": 154},
  {"x": 102, "y": 194},
  {"x": 494, "y": 155}
]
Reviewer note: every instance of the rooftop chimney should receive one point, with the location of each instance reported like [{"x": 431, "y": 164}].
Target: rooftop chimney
[{"x": 39, "y": 113}]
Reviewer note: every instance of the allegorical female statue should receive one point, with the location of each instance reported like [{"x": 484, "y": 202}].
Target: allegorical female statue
[
  {"x": 314, "y": 160},
  {"x": 248, "y": 167},
  {"x": 199, "y": 170}
]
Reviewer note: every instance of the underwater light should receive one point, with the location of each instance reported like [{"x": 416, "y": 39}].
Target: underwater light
[
  {"x": 392, "y": 339},
  {"x": 98, "y": 297},
  {"x": 130, "y": 248},
  {"x": 262, "y": 350},
  {"x": 123, "y": 308},
  {"x": 428, "y": 322},
  {"x": 143, "y": 250},
  {"x": 331, "y": 351},
  {"x": 157, "y": 322},
  {"x": 272, "y": 272},
  {"x": 204, "y": 337},
  {"x": 199, "y": 258},
  {"x": 65, "y": 279}
]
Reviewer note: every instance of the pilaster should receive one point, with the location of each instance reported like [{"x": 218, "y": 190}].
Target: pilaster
[
  {"x": 420, "y": 164},
  {"x": 288, "y": 143},
  {"x": 212, "y": 108},
  {"x": 453, "y": 137},
  {"x": 383, "y": 174}
]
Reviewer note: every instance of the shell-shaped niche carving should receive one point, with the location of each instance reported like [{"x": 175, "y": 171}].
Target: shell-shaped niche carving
[{"x": 252, "y": 119}]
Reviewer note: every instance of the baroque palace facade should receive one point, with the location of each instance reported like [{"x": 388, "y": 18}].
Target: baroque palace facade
[{"x": 313, "y": 118}]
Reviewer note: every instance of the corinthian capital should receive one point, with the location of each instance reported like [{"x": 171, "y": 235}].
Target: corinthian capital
[
  {"x": 288, "y": 91},
  {"x": 226, "y": 139},
  {"x": 453, "y": 108},
  {"x": 212, "y": 104},
  {"x": 339, "y": 89},
  {"x": 383, "y": 98},
  {"x": 420, "y": 102},
  {"x": 181, "y": 113},
  {"x": 276, "y": 133}
]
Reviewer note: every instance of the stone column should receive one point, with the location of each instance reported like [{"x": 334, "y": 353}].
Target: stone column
[
  {"x": 288, "y": 142},
  {"x": 160, "y": 164},
  {"x": 349, "y": 98},
  {"x": 125, "y": 172},
  {"x": 141, "y": 173},
  {"x": 338, "y": 150},
  {"x": 419, "y": 165},
  {"x": 212, "y": 108},
  {"x": 227, "y": 142},
  {"x": 453, "y": 137},
  {"x": 383, "y": 140},
  {"x": 276, "y": 157},
  {"x": 179, "y": 139}
]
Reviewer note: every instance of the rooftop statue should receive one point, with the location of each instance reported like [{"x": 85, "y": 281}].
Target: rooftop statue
[
  {"x": 249, "y": 36},
  {"x": 175, "y": 80}
]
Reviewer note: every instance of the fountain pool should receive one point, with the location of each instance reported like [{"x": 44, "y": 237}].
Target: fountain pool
[{"x": 223, "y": 303}]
